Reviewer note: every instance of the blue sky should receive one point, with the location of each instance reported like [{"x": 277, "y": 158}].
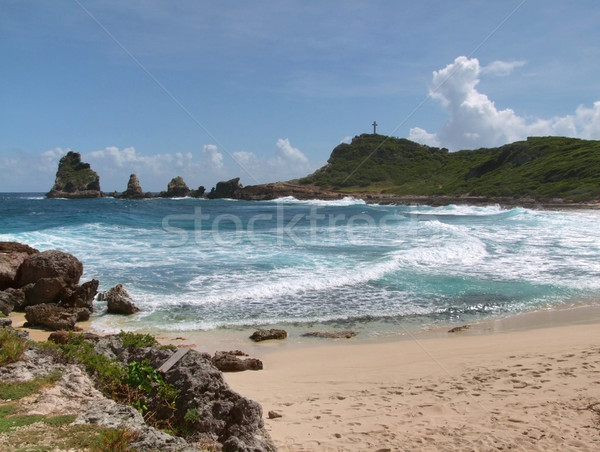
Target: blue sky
[{"x": 265, "y": 90}]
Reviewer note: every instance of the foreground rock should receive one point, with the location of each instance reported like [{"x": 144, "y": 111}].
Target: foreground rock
[
  {"x": 220, "y": 413},
  {"x": 75, "y": 179},
  {"x": 55, "y": 317},
  {"x": 119, "y": 301},
  {"x": 50, "y": 265},
  {"x": 235, "y": 361},
  {"x": 12, "y": 255},
  {"x": 264, "y": 335}
]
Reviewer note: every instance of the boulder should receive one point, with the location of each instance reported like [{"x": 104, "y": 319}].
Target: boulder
[
  {"x": 80, "y": 296},
  {"x": 11, "y": 299},
  {"x": 119, "y": 302},
  {"x": 44, "y": 290},
  {"x": 50, "y": 264},
  {"x": 75, "y": 179},
  {"x": 263, "y": 335},
  {"x": 226, "y": 189},
  {"x": 55, "y": 317},
  {"x": 12, "y": 255},
  {"x": 235, "y": 361}
]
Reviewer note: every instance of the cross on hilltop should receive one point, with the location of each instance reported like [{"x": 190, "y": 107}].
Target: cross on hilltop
[{"x": 374, "y": 127}]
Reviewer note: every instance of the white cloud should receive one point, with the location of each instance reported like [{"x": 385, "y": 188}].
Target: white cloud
[
  {"x": 215, "y": 158},
  {"x": 287, "y": 153},
  {"x": 476, "y": 122},
  {"x": 501, "y": 68}
]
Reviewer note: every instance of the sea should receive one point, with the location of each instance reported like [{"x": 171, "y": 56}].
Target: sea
[{"x": 228, "y": 265}]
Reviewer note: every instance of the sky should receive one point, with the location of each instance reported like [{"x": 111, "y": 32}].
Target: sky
[{"x": 211, "y": 90}]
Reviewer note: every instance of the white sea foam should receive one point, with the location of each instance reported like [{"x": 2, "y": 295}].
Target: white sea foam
[{"x": 346, "y": 201}]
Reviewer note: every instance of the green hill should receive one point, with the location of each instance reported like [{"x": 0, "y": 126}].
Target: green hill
[{"x": 540, "y": 167}]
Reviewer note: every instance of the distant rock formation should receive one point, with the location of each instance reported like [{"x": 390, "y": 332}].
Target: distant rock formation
[
  {"x": 177, "y": 188},
  {"x": 134, "y": 189},
  {"x": 226, "y": 189},
  {"x": 75, "y": 179}
]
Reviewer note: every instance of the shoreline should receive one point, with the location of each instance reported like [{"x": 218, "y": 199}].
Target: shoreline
[{"x": 524, "y": 382}]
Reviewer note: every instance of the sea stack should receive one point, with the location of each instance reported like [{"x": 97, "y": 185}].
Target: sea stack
[
  {"x": 75, "y": 179},
  {"x": 134, "y": 189},
  {"x": 177, "y": 188}
]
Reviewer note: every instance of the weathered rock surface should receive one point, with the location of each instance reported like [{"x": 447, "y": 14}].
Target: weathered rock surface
[
  {"x": 55, "y": 317},
  {"x": 234, "y": 421},
  {"x": 50, "y": 264},
  {"x": 283, "y": 189},
  {"x": 331, "y": 335},
  {"x": 235, "y": 361},
  {"x": 75, "y": 179},
  {"x": 119, "y": 301},
  {"x": 80, "y": 296},
  {"x": 12, "y": 255},
  {"x": 225, "y": 189},
  {"x": 263, "y": 335},
  {"x": 11, "y": 300}
]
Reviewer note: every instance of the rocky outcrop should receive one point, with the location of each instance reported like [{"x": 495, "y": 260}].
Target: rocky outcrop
[
  {"x": 235, "y": 361},
  {"x": 264, "y": 335},
  {"x": 265, "y": 192},
  {"x": 118, "y": 301},
  {"x": 50, "y": 280},
  {"x": 134, "y": 190},
  {"x": 219, "y": 412},
  {"x": 177, "y": 188},
  {"x": 225, "y": 189},
  {"x": 75, "y": 179}
]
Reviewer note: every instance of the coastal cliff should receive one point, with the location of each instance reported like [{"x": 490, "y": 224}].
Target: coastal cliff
[{"x": 75, "y": 179}]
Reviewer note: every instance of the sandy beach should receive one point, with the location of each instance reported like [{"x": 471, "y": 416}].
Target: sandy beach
[{"x": 529, "y": 383}]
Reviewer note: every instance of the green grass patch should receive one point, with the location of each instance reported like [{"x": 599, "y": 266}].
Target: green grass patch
[
  {"x": 135, "y": 340},
  {"x": 16, "y": 391},
  {"x": 12, "y": 347}
]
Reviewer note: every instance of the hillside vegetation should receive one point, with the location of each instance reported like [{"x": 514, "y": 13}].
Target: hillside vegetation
[{"x": 540, "y": 167}]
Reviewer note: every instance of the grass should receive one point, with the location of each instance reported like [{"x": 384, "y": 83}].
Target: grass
[
  {"x": 12, "y": 347},
  {"x": 16, "y": 391}
]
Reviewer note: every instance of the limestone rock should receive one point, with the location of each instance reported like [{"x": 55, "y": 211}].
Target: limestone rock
[
  {"x": 12, "y": 255},
  {"x": 50, "y": 264},
  {"x": 55, "y": 317},
  {"x": 44, "y": 290},
  {"x": 263, "y": 335},
  {"x": 235, "y": 361},
  {"x": 11, "y": 299},
  {"x": 80, "y": 296},
  {"x": 75, "y": 179},
  {"x": 225, "y": 189},
  {"x": 134, "y": 189},
  {"x": 119, "y": 302}
]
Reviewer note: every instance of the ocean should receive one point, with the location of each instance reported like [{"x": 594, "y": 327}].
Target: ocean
[{"x": 200, "y": 265}]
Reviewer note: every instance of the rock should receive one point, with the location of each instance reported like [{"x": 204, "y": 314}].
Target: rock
[
  {"x": 263, "y": 335},
  {"x": 225, "y": 189},
  {"x": 274, "y": 414},
  {"x": 177, "y": 188},
  {"x": 198, "y": 193},
  {"x": 44, "y": 290},
  {"x": 50, "y": 264},
  {"x": 232, "y": 362},
  {"x": 134, "y": 189},
  {"x": 80, "y": 296},
  {"x": 5, "y": 322},
  {"x": 331, "y": 335},
  {"x": 12, "y": 299},
  {"x": 119, "y": 301},
  {"x": 457, "y": 329},
  {"x": 12, "y": 255},
  {"x": 55, "y": 317},
  {"x": 75, "y": 179}
]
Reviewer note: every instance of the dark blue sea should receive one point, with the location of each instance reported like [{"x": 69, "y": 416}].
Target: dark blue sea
[{"x": 194, "y": 265}]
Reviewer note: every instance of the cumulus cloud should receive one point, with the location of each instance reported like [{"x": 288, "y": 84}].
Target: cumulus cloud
[
  {"x": 286, "y": 153},
  {"x": 474, "y": 121},
  {"x": 215, "y": 158}
]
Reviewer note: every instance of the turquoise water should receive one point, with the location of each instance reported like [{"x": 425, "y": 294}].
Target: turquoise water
[{"x": 194, "y": 264}]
